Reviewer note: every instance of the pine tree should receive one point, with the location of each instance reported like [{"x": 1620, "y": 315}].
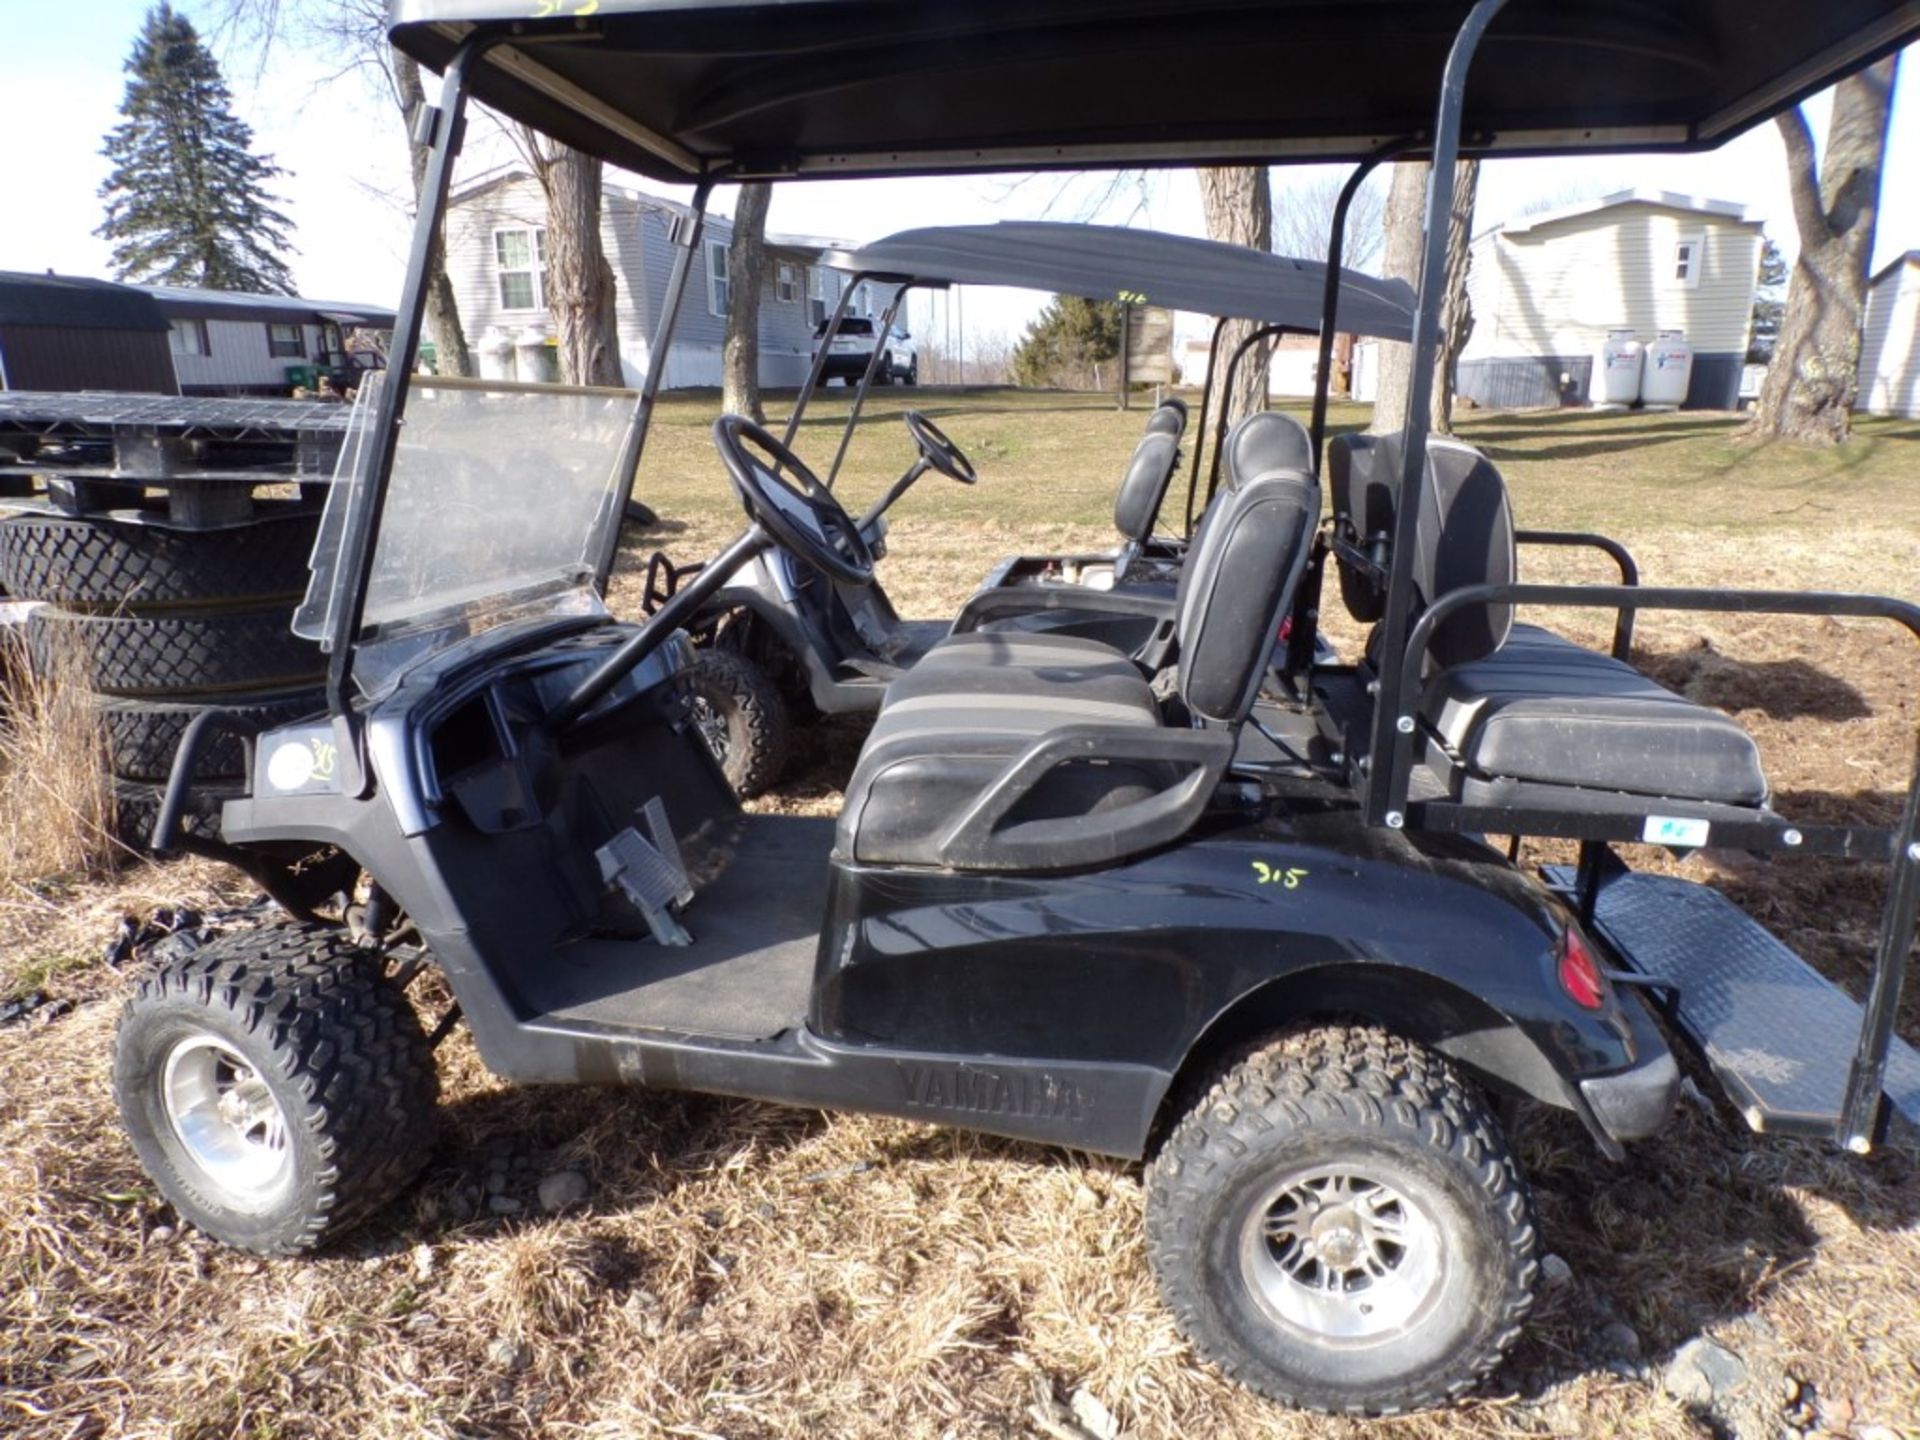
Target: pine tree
[
  {"x": 187, "y": 202},
  {"x": 1068, "y": 342}
]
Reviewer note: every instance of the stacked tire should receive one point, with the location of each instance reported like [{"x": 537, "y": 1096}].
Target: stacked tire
[{"x": 163, "y": 624}]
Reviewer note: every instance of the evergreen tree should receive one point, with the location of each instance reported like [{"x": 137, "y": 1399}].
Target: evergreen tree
[
  {"x": 1068, "y": 342},
  {"x": 187, "y": 202},
  {"x": 1769, "y": 304}
]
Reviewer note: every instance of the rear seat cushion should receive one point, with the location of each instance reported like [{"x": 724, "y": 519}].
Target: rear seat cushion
[
  {"x": 1144, "y": 486},
  {"x": 1545, "y": 710}
]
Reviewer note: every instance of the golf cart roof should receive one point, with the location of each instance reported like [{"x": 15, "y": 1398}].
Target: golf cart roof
[
  {"x": 684, "y": 90},
  {"x": 1109, "y": 262}
]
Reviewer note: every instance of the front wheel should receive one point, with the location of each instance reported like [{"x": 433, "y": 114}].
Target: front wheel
[
  {"x": 1338, "y": 1224},
  {"x": 276, "y": 1085},
  {"x": 739, "y": 713}
]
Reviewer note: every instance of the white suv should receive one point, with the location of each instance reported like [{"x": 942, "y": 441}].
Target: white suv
[{"x": 853, "y": 347}]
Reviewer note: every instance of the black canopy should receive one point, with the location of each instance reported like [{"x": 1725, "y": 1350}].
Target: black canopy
[
  {"x": 1108, "y": 262},
  {"x": 71, "y": 302},
  {"x": 685, "y": 89}
]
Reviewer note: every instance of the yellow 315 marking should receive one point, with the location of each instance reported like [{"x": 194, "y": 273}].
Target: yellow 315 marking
[{"x": 1287, "y": 877}]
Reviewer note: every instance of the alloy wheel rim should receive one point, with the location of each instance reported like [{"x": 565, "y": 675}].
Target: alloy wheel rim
[
  {"x": 1341, "y": 1255},
  {"x": 227, "y": 1120}
]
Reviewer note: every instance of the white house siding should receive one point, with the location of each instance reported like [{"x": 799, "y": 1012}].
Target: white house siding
[
  {"x": 1545, "y": 296},
  {"x": 239, "y": 359},
  {"x": 635, "y": 230},
  {"x": 1890, "y": 342}
]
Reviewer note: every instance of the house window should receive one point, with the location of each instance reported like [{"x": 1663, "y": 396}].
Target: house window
[
  {"x": 786, "y": 283},
  {"x": 1689, "y": 253},
  {"x": 817, "y": 296},
  {"x": 189, "y": 337},
  {"x": 285, "y": 342},
  {"x": 718, "y": 298},
  {"x": 520, "y": 260}
]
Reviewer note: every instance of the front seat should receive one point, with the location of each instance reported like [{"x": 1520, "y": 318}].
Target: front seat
[{"x": 1007, "y": 751}]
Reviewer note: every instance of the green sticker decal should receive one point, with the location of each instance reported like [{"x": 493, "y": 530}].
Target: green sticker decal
[{"x": 1287, "y": 877}]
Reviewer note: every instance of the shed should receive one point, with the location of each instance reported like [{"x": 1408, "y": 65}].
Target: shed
[
  {"x": 1546, "y": 289},
  {"x": 1890, "y": 341},
  {"x": 58, "y": 332}
]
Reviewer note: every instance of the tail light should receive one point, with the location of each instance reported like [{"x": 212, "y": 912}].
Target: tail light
[{"x": 1580, "y": 977}]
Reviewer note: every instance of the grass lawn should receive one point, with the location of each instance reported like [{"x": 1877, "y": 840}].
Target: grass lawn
[{"x": 743, "y": 1271}]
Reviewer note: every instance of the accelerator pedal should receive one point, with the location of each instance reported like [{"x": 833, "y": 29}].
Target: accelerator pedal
[
  {"x": 648, "y": 870},
  {"x": 1779, "y": 1036}
]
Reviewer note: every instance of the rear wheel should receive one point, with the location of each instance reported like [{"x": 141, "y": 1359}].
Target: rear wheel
[
  {"x": 276, "y": 1086},
  {"x": 1338, "y": 1224},
  {"x": 739, "y": 713}
]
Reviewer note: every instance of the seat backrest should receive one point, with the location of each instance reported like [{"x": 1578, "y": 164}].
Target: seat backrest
[
  {"x": 1144, "y": 486},
  {"x": 1238, "y": 582},
  {"x": 1169, "y": 417},
  {"x": 1262, "y": 442},
  {"x": 1465, "y": 537}
]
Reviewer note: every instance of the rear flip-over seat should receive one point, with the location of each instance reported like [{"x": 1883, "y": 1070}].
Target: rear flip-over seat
[{"x": 1508, "y": 703}]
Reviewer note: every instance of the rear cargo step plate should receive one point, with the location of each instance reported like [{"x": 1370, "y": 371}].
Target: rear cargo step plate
[{"x": 1779, "y": 1035}]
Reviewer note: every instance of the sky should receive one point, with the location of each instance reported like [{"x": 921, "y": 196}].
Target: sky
[{"x": 340, "y": 139}]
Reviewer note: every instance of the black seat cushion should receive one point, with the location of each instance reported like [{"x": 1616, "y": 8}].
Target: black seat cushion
[
  {"x": 1137, "y": 505},
  {"x": 1545, "y": 710},
  {"x": 951, "y": 724}
]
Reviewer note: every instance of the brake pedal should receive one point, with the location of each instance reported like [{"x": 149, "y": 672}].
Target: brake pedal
[{"x": 654, "y": 881}]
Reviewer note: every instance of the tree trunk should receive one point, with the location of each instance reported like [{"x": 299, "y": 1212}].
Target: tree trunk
[
  {"x": 1239, "y": 207},
  {"x": 579, "y": 282},
  {"x": 1456, "y": 310},
  {"x": 1811, "y": 385},
  {"x": 1406, "y": 242},
  {"x": 1404, "y": 223},
  {"x": 746, "y": 277},
  {"x": 451, "y": 356}
]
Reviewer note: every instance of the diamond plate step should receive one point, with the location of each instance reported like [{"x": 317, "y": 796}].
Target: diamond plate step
[{"x": 1779, "y": 1036}]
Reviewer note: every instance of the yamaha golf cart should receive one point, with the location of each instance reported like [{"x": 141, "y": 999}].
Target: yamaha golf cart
[
  {"x": 782, "y": 636},
  {"x": 1056, "y": 904}
]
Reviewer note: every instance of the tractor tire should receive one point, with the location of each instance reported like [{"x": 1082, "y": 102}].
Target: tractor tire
[
  {"x": 110, "y": 565},
  {"x": 144, "y": 735},
  {"x": 738, "y": 711},
  {"x": 1337, "y": 1223},
  {"x": 197, "y": 652},
  {"x": 640, "y": 513},
  {"x": 136, "y": 810},
  {"x": 277, "y": 1087}
]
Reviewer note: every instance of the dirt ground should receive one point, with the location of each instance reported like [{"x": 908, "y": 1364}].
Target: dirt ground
[{"x": 743, "y": 1271}]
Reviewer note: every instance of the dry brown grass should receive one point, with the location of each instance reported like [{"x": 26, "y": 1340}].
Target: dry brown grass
[
  {"x": 56, "y": 803},
  {"x": 746, "y": 1271}
]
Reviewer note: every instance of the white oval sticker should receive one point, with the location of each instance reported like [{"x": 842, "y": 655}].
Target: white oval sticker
[{"x": 290, "y": 766}]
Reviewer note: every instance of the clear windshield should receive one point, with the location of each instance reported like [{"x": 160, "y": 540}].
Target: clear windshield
[{"x": 497, "y": 495}]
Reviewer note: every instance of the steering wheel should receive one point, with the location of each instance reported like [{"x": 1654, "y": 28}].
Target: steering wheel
[
  {"x": 937, "y": 450},
  {"x": 789, "y": 500}
]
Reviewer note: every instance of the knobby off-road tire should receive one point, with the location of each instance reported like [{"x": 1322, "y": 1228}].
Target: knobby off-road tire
[
  {"x": 1337, "y": 1223},
  {"x": 209, "y": 651},
  {"x": 276, "y": 1086},
  {"x": 739, "y": 713},
  {"x": 101, "y": 564},
  {"x": 144, "y": 735}
]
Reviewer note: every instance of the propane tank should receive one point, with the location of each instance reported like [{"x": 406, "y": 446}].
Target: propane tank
[
  {"x": 496, "y": 354},
  {"x": 1668, "y": 371},
  {"x": 1616, "y": 371}
]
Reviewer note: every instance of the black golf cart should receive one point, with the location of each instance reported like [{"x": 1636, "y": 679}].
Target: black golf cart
[
  {"x": 1056, "y": 904},
  {"x": 782, "y": 635}
]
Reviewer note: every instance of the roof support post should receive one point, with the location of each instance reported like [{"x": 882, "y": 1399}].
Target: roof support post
[
  {"x": 1200, "y": 425},
  {"x": 1386, "y": 785},
  {"x": 820, "y": 359},
  {"x": 685, "y": 235},
  {"x": 866, "y": 380},
  {"x": 1862, "y": 1112},
  {"x": 376, "y": 456},
  {"x": 1330, "y": 296}
]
